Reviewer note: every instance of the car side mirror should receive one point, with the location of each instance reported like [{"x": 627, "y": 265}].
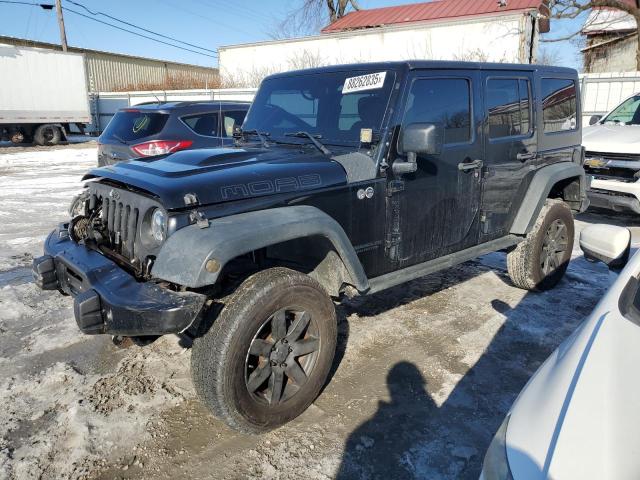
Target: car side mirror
[
  {"x": 606, "y": 243},
  {"x": 418, "y": 139},
  {"x": 594, "y": 119}
]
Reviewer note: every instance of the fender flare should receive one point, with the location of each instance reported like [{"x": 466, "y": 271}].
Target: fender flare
[
  {"x": 538, "y": 192},
  {"x": 182, "y": 259}
]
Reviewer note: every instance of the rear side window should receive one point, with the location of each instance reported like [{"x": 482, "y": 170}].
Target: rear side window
[
  {"x": 509, "y": 105},
  {"x": 446, "y": 101},
  {"x": 132, "y": 125},
  {"x": 559, "y": 105},
  {"x": 203, "y": 124}
]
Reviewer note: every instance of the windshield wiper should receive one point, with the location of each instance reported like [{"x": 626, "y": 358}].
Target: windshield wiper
[
  {"x": 313, "y": 138},
  {"x": 261, "y": 135}
]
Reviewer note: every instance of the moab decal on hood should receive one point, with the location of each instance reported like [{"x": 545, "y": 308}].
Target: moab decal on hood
[{"x": 225, "y": 174}]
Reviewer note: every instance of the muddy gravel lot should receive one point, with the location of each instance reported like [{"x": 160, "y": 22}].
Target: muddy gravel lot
[{"x": 424, "y": 373}]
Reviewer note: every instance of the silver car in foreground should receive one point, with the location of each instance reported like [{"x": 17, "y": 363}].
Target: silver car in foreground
[{"x": 579, "y": 415}]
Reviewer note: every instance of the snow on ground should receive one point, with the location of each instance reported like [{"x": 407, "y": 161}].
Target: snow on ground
[{"x": 422, "y": 379}]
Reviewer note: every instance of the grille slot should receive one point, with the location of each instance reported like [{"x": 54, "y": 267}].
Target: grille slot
[{"x": 122, "y": 224}]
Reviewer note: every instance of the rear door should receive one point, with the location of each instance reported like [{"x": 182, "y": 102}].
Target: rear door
[
  {"x": 435, "y": 211},
  {"x": 510, "y": 148}
]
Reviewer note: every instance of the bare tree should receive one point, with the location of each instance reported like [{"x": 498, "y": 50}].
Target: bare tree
[
  {"x": 311, "y": 16},
  {"x": 570, "y": 9},
  {"x": 547, "y": 57}
]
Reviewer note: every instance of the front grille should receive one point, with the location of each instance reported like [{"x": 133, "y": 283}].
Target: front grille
[
  {"x": 123, "y": 212},
  {"x": 622, "y": 167},
  {"x": 613, "y": 156},
  {"x": 122, "y": 225}
]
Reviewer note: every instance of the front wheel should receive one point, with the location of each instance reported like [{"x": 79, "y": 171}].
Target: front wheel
[
  {"x": 540, "y": 261},
  {"x": 268, "y": 354}
]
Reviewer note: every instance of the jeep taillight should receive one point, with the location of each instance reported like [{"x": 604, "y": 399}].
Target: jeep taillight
[{"x": 160, "y": 147}]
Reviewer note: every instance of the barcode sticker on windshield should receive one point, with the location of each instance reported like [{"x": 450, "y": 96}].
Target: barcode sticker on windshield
[{"x": 370, "y": 81}]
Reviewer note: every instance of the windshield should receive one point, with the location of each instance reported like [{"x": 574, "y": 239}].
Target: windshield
[
  {"x": 132, "y": 125},
  {"x": 626, "y": 113},
  {"x": 334, "y": 106}
]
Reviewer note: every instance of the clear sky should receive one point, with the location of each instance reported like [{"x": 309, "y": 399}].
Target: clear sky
[{"x": 207, "y": 23}]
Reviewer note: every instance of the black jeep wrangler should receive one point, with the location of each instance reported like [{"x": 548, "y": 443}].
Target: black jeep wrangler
[{"x": 344, "y": 180}]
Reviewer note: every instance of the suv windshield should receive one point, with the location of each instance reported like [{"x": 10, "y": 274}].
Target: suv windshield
[
  {"x": 334, "y": 106},
  {"x": 628, "y": 113},
  {"x": 131, "y": 125}
]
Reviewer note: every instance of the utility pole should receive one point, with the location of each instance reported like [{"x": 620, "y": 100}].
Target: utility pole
[{"x": 63, "y": 34}]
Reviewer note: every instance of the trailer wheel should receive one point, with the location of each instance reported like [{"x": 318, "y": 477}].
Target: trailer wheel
[{"x": 47, "y": 134}]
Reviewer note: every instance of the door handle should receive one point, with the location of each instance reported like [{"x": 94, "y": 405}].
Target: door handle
[
  {"x": 524, "y": 156},
  {"x": 466, "y": 166}
]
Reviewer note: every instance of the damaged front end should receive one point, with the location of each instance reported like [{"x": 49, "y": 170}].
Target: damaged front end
[{"x": 103, "y": 258}]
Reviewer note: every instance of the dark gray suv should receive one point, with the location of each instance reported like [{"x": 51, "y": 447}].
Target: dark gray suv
[{"x": 160, "y": 128}]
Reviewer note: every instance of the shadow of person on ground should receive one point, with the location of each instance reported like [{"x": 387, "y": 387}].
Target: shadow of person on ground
[
  {"x": 369, "y": 449},
  {"x": 411, "y": 437}
]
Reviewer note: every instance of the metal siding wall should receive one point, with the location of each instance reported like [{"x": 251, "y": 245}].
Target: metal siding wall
[{"x": 112, "y": 72}]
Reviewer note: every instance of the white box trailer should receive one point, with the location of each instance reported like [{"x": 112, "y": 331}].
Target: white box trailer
[{"x": 42, "y": 92}]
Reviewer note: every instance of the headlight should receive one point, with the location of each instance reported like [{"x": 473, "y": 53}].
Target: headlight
[
  {"x": 159, "y": 225},
  {"x": 79, "y": 205},
  {"x": 496, "y": 464}
]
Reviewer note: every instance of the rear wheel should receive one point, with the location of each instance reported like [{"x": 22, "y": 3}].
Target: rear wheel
[
  {"x": 540, "y": 261},
  {"x": 47, "y": 135},
  {"x": 269, "y": 352}
]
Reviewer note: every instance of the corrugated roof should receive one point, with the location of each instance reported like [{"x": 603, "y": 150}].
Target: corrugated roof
[{"x": 420, "y": 12}]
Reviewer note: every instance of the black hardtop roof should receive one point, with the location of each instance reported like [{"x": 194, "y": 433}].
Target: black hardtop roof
[
  {"x": 189, "y": 106},
  {"x": 433, "y": 65}
]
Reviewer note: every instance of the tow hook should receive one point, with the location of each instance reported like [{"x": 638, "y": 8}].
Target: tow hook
[{"x": 122, "y": 342}]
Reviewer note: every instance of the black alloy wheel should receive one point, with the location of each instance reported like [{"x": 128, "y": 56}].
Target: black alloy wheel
[{"x": 282, "y": 355}]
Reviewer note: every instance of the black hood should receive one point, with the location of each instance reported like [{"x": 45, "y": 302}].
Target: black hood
[{"x": 226, "y": 174}]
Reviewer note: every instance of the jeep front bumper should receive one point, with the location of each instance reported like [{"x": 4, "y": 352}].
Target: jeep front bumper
[{"x": 107, "y": 299}]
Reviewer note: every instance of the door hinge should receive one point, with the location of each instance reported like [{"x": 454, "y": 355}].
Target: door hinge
[{"x": 395, "y": 186}]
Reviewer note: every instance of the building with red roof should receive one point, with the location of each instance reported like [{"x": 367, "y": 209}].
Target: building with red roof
[{"x": 477, "y": 30}]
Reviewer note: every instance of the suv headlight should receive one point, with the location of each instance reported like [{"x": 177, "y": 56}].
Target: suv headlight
[
  {"x": 154, "y": 227},
  {"x": 158, "y": 225},
  {"x": 496, "y": 464}
]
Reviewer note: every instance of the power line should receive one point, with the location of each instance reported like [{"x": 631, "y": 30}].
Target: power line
[
  {"x": 137, "y": 33},
  {"x": 140, "y": 28},
  {"x": 45, "y": 6}
]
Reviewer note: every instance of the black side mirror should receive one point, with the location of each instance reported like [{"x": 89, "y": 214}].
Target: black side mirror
[
  {"x": 418, "y": 139},
  {"x": 594, "y": 119}
]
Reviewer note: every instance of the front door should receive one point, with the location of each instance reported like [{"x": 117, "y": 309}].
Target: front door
[{"x": 435, "y": 211}]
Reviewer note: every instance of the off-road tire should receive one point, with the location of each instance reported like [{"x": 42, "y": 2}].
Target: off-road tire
[
  {"x": 47, "y": 135},
  {"x": 219, "y": 356},
  {"x": 524, "y": 263}
]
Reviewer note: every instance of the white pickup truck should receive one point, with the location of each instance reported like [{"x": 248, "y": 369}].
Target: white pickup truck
[{"x": 612, "y": 146}]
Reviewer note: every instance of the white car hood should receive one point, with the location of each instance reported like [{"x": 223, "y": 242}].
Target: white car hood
[
  {"x": 612, "y": 138},
  {"x": 579, "y": 415}
]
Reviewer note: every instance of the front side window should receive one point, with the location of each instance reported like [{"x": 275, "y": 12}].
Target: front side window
[
  {"x": 559, "y": 105},
  {"x": 203, "y": 124},
  {"x": 444, "y": 101},
  {"x": 508, "y": 103},
  {"x": 627, "y": 113},
  {"x": 334, "y": 106},
  {"x": 231, "y": 120}
]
